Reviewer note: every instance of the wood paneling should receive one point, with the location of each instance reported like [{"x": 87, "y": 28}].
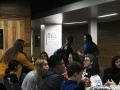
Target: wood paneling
[{"x": 15, "y": 19}]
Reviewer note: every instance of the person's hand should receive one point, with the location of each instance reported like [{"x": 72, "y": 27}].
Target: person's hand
[
  {"x": 78, "y": 52},
  {"x": 110, "y": 82},
  {"x": 84, "y": 79}
]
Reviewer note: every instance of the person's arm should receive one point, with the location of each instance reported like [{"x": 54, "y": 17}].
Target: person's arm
[
  {"x": 79, "y": 53},
  {"x": 21, "y": 58}
]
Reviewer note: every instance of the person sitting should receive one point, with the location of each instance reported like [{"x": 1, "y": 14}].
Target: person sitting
[
  {"x": 89, "y": 69},
  {"x": 52, "y": 78},
  {"x": 44, "y": 55},
  {"x": 74, "y": 70},
  {"x": 33, "y": 78},
  {"x": 115, "y": 71},
  {"x": 10, "y": 71}
]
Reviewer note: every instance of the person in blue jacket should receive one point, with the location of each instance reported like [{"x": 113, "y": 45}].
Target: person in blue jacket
[
  {"x": 74, "y": 71},
  {"x": 90, "y": 48}
]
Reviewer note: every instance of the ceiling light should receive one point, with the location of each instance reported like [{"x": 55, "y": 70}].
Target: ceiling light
[
  {"x": 75, "y": 22},
  {"x": 107, "y": 15}
]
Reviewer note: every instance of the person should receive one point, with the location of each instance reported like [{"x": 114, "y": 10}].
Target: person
[
  {"x": 74, "y": 57},
  {"x": 89, "y": 69},
  {"x": 67, "y": 48},
  {"x": 52, "y": 78},
  {"x": 90, "y": 48},
  {"x": 10, "y": 71},
  {"x": 74, "y": 70},
  {"x": 15, "y": 52},
  {"x": 115, "y": 71},
  {"x": 33, "y": 78},
  {"x": 44, "y": 55}
]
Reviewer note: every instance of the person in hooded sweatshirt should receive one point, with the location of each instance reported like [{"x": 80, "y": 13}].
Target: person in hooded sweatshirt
[
  {"x": 74, "y": 71},
  {"x": 52, "y": 78}
]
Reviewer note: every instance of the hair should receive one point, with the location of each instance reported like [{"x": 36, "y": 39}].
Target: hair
[
  {"x": 70, "y": 40},
  {"x": 74, "y": 67},
  {"x": 38, "y": 68},
  {"x": 91, "y": 44},
  {"x": 114, "y": 68},
  {"x": 76, "y": 57},
  {"x": 54, "y": 60},
  {"x": 12, "y": 52},
  {"x": 43, "y": 53},
  {"x": 12, "y": 64},
  {"x": 91, "y": 57}
]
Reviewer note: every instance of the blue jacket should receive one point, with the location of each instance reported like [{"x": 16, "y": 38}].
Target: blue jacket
[{"x": 70, "y": 85}]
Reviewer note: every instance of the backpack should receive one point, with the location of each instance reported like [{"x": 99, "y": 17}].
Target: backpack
[{"x": 58, "y": 51}]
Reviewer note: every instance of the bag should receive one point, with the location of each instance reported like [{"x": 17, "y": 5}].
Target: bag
[{"x": 58, "y": 51}]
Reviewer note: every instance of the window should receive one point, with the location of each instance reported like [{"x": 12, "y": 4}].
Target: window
[
  {"x": 37, "y": 41},
  {"x": 1, "y": 38}
]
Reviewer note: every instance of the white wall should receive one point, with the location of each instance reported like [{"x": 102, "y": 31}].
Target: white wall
[{"x": 52, "y": 38}]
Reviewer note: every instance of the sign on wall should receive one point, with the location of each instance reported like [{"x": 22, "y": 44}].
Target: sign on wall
[{"x": 52, "y": 38}]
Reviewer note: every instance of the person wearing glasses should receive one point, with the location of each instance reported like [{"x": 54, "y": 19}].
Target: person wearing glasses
[
  {"x": 89, "y": 69},
  {"x": 52, "y": 78}
]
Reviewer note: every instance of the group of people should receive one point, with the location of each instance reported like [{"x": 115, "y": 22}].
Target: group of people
[{"x": 57, "y": 72}]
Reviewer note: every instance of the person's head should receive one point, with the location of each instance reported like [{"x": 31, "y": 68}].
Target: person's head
[
  {"x": 44, "y": 55},
  {"x": 88, "y": 61},
  {"x": 116, "y": 62},
  {"x": 87, "y": 38},
  {"x": 69, "y": 40},
  {"x": 56, "y": 63},
  {"x": 12, "y": 66},
  {"x": 74, "y": 57},
  {"x": 18, "y": 46},
  {"x": 74, "y": 71},
  {"x": 40, "y": 64}
]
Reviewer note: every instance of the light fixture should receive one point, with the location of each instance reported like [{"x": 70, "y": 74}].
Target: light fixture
[
  {"x": 107, "y": 15},
  {"x": 75, "y": 22}
]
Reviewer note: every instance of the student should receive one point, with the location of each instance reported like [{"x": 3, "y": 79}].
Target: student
[
  {"x": 52, "y": 78},
  {"x": 33, "y": 78},
  {"x": 10, "y": 71},
  {"x": 44, "y": 55},
  {"x": 74, "y": 70},
  {"x": 90, "y": 48},
  {"x": 88, "y": 65},
  {"x": 15, "y": 52}
]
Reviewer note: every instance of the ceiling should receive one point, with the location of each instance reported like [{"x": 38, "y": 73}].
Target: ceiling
[{"x": 82, "y": 14}]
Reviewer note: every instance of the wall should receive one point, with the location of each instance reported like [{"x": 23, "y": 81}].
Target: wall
[
  {"x": 108, "y": 39},
  {"x": 20, "y": 11}
]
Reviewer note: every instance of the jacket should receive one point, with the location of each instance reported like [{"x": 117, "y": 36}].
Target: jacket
[
  {"x": 50, "y": 80},
  {"x": 23, "y": 61}
]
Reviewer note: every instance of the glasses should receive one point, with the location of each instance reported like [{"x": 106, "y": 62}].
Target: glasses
[{"x": 86, "y": 60}]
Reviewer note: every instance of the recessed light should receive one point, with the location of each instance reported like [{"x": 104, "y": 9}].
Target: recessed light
[
  {"x": 107, "y": 15},
  {"x": 75, "y": 22}
]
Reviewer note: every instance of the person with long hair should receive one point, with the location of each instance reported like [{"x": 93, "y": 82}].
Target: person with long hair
[
  {"x": 115, "y": 71},
  {"x": 90, "y": 48},
  {"x": 74, "y": 57},
  {"x": 44, "y": 55},
  {"x": 33, "y": 78},
  {"x": 67, "y": 48},
  {"x": 17, "y": 53},
  {"x": 10, "y": 71}
]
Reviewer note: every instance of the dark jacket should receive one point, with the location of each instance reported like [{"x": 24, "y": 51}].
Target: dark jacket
[
  {"x": 70, "y": 85},
  {"x": 50, "y": 80},
  {"x": 91, "y": 71}
]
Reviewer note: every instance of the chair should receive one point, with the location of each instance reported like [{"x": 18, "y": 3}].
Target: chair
[{"x": 11, "y": 86}]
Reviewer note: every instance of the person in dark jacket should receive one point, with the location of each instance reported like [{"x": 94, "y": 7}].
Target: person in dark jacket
[
  {"x": 89, "y": 69},
  {"x": 74, "y": 71},
  {"x": 52, "y": 78}
]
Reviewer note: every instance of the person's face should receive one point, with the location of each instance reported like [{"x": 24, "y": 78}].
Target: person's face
[
  {"x": 61, "y": 67},
  {"x": 78, "y": 76},
  {"x": 45, "y": 66},
  {"x": 44, "y": 56},
  {"x": 84, "y": 39},
  {"x": 87, "y": 62},
  {"x": 117, "y": 63},
  {"x": 70, "y": 59}
]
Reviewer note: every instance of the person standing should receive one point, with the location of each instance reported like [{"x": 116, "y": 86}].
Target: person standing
[
  {"x": 90, "y": 48},
  {"x": 15, "y": 52}
]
